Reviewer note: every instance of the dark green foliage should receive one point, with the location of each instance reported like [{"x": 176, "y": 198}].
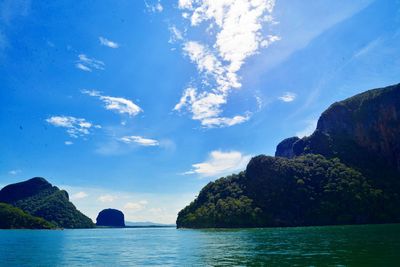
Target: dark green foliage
[
  {"x": 346, "y": 172},
  {"x": 221, "y": 204},
  {"x": 363, "y": 131},
  {"x": 311, "y": 190},
  {"x": 39, "y": 198},
  {"x": 15, "y": 218},
  {"x": 306, "y": 190}
]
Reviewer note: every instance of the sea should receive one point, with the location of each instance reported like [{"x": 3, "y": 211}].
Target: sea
[{"x": 361, "y": 245}]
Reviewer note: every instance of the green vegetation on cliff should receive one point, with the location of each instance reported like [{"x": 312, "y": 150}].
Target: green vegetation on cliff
[
  {"x": 306, "y": 190},
  {"x": 15, "y": 218},
  {"x": 222, "y": 203},
  {"x": 346, "y": 172},
  {"x": 39, "y": 198}
]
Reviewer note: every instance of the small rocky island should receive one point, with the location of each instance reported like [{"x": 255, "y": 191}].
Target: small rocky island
[{"x": 110, "y": 218}]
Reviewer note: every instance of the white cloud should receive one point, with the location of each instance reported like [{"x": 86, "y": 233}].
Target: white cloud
[
  {"x": 154, "y": 7},
  {"x": 206, "y": 107},
  {"x": 68, "y": 143},
  {"x": 220, "y": 163},
  {"x": 108, "y": 43},
  {"x": 139, "y": 140},
  {"x": 79, "y": 195},
  {"x": 107, "y": 198},
  {"x": 119, "y": 104},
  {"x": 176, "y": 34},
  {"x": 83, "y": 67},
  {"x": 368, "y": 48},
  {"x": 76, "y": 127},
  {"x": 308, "y": 129},
  {"x": 88, "y": 64},
  {"x": 238, "y": 35},
  {"x": 14, "y": 172},
  {"x": 287, "y": 97},
  {"x": 135, "y": 206}
]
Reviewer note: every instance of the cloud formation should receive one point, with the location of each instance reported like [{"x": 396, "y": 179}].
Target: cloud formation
[
  {"x": 310, "y": 127},
  {"x": 14, "y": 172},
  {"x": 220, "y": 163},
  {"x": 118, "y": 104},
  {"x": 79, "y": 195},
  {"x": 139, "y": 140},
  {"x": 88, "y": 64},
  {"x": 106, "y": 198},
  {"x": 236, "y": 27},
  {"x": 135, "y": 206},
  {"x": 155, "y": 7},
  {"x": 108, "y": 43},
  {"x": 287, "y": 97},
  {"x": 76, "y": 127}
]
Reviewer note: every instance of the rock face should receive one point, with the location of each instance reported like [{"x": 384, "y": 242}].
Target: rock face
[
  {"x": 41, "y": 199},
  {"x": 369, "y": 121},
  {"x": 346, "y": 172},
  {"x": 363, "y": 131},
  {"x": 110, "y": 218},
  {"x": 285, "y": 148}
]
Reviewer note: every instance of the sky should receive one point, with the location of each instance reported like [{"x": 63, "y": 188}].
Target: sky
[{"x": 137, "y": 105}]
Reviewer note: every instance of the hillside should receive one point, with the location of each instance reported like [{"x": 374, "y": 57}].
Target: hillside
[
  {"x": 346, "y": 172},
  {"x": 39, "y": 198},
  {"x": 15, "y": 218}
]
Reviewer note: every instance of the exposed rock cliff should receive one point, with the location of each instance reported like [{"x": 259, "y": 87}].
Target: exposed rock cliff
[
  {"x": 285, "y": 148},
  {"x": 346, "y": 172}
]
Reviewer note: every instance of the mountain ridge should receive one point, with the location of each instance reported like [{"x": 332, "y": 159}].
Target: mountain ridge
[
  {"x": 39, "y": 198},
  {"x": 346, "y": 172}
]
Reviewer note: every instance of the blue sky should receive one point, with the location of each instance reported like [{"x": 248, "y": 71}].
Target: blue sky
[{"x": 136, "y": 105}]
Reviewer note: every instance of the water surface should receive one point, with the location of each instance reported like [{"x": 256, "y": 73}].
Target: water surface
[{"x": 367, "y": 245}]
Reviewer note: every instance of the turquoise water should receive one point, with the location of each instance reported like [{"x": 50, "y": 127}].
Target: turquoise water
[{"x": 368, "y": 245}]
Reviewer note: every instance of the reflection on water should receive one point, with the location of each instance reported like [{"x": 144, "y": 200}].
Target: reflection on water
[{"x": 373, "y": 245}]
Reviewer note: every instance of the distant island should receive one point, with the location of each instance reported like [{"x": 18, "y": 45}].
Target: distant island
[
  {"x": 37, "y": 204},
  {"x": 110, "y": 218},
  {"x": 346, "y": 172}
]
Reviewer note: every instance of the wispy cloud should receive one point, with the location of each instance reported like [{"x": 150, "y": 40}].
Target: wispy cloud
[
  {"x": 154, "y": 6},
  {"x": 118, "y": 104},
  {"x": 108, "y": 43},
  {"x": 14, "y": 172},
  {"x": 368, "y": 47},
  {"x": 176, "y": 34},
  {"x": 236, "y": 27},
  {"x": 220, "y": 163},
  {"x": 88, "y": 64},
  {"x": 107, "y": 198},
  {"x": 308, "y": 129},
  {"x": 139, "y": 140},
  {"x": 79, "y": 195},
  {"x": 68, "y": 143},
  {"x": 76, "y": 127},
  {"x": 135, "y": 206},
  {"x": 11, "y": 9},
  {"x": 287, "y": 97}
]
